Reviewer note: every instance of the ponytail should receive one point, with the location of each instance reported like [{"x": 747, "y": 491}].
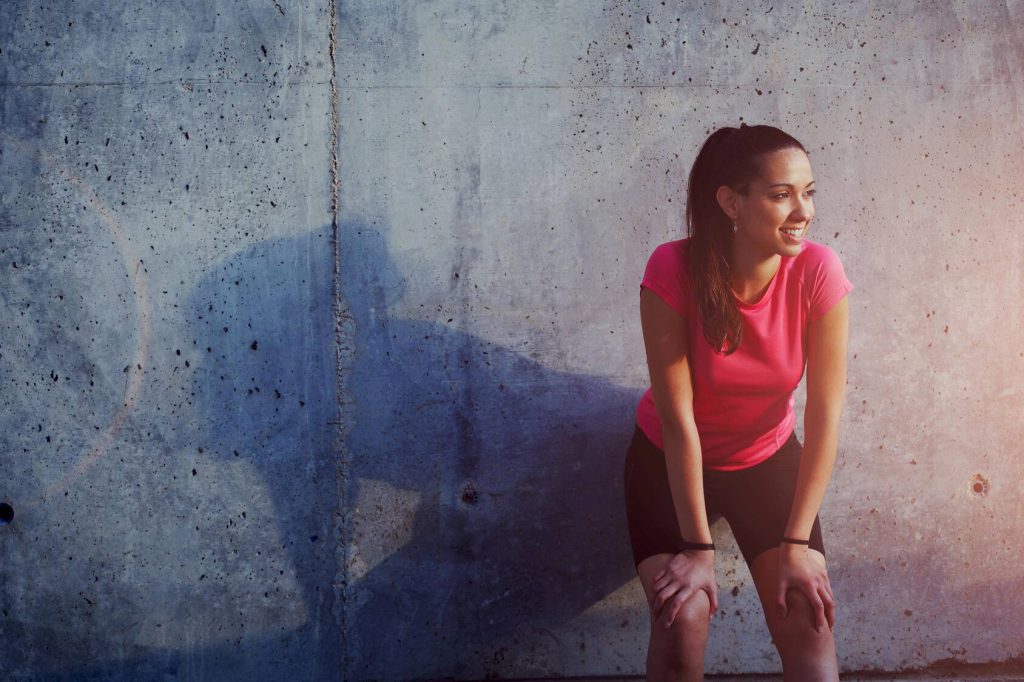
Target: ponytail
[{"x": 731, "y": 157}]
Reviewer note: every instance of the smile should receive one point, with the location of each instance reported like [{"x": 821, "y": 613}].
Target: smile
[{"x": 794, "y": 234}]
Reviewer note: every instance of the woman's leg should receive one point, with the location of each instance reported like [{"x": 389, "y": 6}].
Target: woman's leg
[
  {"x": 675, "y": 653},
  {"x": 807, "y": 655}
]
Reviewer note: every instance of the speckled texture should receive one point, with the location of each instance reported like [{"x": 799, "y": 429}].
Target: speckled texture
[
  {"x": 166, "y": 321},
  {"x": 510, "y": 168},
  {"x": 321, "y": 350}
]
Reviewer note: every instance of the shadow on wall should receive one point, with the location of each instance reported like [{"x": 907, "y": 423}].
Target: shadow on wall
[
  {"x": 487, "y": 487},
  {"x": 514, "y": 472},
  {"x": 262, "y": 401},
  {"x": 265, "y": 327},
  {"x": 231, "y": 571}
]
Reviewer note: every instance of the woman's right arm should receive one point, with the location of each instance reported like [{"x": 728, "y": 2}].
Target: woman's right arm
[{"x": 665, "y": 339}]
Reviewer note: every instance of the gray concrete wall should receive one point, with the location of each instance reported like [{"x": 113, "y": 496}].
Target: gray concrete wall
[
  {"x": 348, "y": 397},
  {"x": 166, "y": 335}
]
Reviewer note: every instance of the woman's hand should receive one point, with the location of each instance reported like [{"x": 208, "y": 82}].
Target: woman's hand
[
  {"x": 687, "y": 572},
  {"x": 799, "y": 568}
]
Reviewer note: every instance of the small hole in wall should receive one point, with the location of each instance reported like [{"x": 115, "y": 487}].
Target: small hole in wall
[{"x": 6, "y": 513}]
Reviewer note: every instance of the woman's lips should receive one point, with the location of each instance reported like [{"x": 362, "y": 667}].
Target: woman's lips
[{"x": 795, "y": 237}]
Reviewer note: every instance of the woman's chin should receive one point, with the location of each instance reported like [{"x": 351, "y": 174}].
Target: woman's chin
[{"x": 790, "y": 246}]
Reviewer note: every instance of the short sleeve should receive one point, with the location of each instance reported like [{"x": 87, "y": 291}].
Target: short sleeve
[
  {"x": 664, "y": 276},
  {"x": 828, "y": 283}
]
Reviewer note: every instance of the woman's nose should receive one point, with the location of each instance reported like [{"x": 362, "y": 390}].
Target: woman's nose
[{"x": 804, "y": 210}]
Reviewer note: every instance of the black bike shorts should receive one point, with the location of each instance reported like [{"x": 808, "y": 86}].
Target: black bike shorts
[{"x": 755, "y": 501}]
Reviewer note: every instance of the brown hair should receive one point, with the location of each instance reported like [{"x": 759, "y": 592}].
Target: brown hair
[{"x": 731, "y": 157}]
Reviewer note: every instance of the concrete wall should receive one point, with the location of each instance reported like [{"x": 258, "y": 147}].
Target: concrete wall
[
  {"x": 166, "y": 336},
  {"x": 348, "y": 397}
]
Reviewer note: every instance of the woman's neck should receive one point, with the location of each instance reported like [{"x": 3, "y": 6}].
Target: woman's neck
[{"x": 752, "y": 272}]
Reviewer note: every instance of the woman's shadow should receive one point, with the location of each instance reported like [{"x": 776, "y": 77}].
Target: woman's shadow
[
  {"x": 483, "y": 488},
  {"x": 516, "y": 469}
]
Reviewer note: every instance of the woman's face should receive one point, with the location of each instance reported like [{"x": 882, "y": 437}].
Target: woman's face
[{"x": 774, "y": 216}]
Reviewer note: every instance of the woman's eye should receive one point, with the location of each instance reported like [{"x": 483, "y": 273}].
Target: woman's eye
[{"x": 783, "y": 195}]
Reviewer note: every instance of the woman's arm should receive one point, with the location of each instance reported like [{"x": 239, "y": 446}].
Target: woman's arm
[
  {"x": 826, "y": 385},
  {"x": 668, "y": 353},
  {"x": 665, "y": 340}
]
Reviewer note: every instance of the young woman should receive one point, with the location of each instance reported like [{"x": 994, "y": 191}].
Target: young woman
[{"x": 731, "y": 316}]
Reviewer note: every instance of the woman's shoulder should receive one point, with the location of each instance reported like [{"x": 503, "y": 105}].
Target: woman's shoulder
[
  {"x": 678, "y": 245},
  {"x": 668, "y": 257},
  {"x": 670, "y": 250},
  {"x": 823, "y": 276},
  {"x": 814, "y": 255}
]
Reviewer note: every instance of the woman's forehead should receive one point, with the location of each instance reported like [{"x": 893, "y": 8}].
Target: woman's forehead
[{"x": 785, "y": 167}]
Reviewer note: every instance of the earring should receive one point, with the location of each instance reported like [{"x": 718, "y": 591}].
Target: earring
[{"x": 734, "y": 228}]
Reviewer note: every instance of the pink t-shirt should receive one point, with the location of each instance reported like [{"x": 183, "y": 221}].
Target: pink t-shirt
[{"x": 743, "y": 403}]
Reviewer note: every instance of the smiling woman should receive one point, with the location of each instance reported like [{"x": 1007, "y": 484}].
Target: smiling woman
[
  {"x": 731, "y": 317},
  {"x": 777, "y": 207}
]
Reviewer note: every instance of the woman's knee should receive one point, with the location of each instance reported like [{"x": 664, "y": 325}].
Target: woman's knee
[
  {"x": 798, "y": 630},
  {"x": 680, "y": 646},
  {"x": 689, "y": 626},
  {"x": 694, "y": 611}
]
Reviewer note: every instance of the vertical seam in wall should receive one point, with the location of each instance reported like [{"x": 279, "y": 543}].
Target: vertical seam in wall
[{"x": 340, "y": 314}]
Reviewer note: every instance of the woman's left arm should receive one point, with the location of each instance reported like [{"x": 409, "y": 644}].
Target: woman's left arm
[
  {"x": 826, "y": 390},
  {"x": 826, "y": 387}
]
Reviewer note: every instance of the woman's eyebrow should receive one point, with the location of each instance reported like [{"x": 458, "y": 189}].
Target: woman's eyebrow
[{"x": 786, "y": 184}]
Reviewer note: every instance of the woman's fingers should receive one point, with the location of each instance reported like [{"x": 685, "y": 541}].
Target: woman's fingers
[
  {"x": 664, "y": 597},
  {"x": 713, "y": 597},
  {"x": 659, "y": 601},
  {"x": 830, "y": 610},
  {"x": 659, "y": 580},
  {"x": 819, "y": 610},
  {"x": 677, "y": 603},
  {"x": 676, "y": 583},
  {"x": 780, "y": 599},
  {"x": 829, "y": 598},
  {"x": 664, "y": 577}
]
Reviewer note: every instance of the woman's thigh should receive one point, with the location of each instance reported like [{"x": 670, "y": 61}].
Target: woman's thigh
[
  {"x": 646, "y": 570},
  {"x": 650, "y": 509},
  {"x": 757, "y": 501}
]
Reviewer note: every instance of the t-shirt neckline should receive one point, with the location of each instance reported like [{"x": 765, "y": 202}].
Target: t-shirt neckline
[{"x": 767, "y": 295}]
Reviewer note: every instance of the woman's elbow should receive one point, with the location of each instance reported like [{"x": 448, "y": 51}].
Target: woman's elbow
[
  {"x": 678, "y": 426},
  {"x": 823, "y": 412}
]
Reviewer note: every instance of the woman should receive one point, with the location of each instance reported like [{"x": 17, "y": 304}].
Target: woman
[{"x": 731, "y": 315}]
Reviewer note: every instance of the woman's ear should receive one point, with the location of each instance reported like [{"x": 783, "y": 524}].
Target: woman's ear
[{"x": 727, "y": 199}]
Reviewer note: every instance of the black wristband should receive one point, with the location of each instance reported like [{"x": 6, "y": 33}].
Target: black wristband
[
  {"x": 794, "y": 541},
  {"x": 684, "y": 545}
]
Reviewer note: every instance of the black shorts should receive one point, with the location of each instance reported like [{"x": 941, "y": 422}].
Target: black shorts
[{"x": 755, "y": 501}]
